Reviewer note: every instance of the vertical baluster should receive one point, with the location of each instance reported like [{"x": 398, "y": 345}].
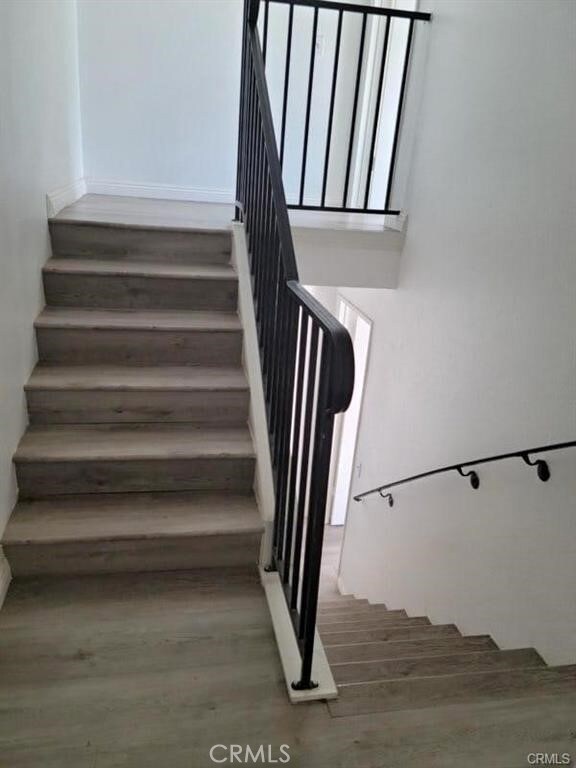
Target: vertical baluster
[
  {"x": 399, "y": 115},
  {"x": 377, "y": 113},
  {"x": 331, "y": 109},
  {"x": 306, "y": 429},
  {"x": 260, "y": 224},
  {"x": 257, "y": 209},
  {"x": 241, "y": 121},
  {"x": 316, "y": 517},
  {"x": 308, "y": 104},
  {"x": 286, "y": 81},
  {"x": 271, "y": 299},
  {"x": 285, "y": 423},
  {"x": 264, "y": 339},
  {"x": 276, "y": 352},
  {"x": 276, "y": 418},
  {"x": 251, "y": 160},
  {"x": 301, "y": 333},
  {"x": 265, "y": 30},
  {"x": 259, "y": 287},
  {"x": 354, "y": 110},
  {"x": 274, "y": 266},
  {"x": 278, "y": 372}
]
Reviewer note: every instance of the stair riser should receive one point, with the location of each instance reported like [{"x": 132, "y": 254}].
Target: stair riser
[
  {"x": 139, "y": 347},
  {"x": 368, "y": 614},
  {"x": 139, "y": 243},
  {"x": 396, "y": 633},
  {"x": 372, "y": 623},
  {"x": 346, "y": 604},
  {"x": 138, "y": 292},
  {"x": 134, "y": 555},
  {"x": 393, "y": 695},
  {"x": 435, "y": 665},
  {"x": 98, "y": 407},
  {"x": 408, "y": 649},
  {"x": 37, "y": 479},
  {"x": 351, "y": 614}
]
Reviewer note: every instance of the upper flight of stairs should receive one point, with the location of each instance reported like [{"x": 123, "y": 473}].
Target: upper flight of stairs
[
  {"x": 138, "y": 455},
  {"x": 384, "y": 661}
]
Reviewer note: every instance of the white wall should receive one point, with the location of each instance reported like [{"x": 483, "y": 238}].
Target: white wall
[
  {"x": 160, "y": 88},
  {"x": 475, "y": 353},
  {"x": 40, "y": 151}
]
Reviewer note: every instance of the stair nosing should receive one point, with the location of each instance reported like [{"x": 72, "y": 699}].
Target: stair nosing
[
  {"x": 57, "y": 220},
  {"x": 327, "y": 644},
  {"x": 131, "y": 537},
  {"x": 58, "y": 318},
  {"x": 424, "y": 657},
  {"x": 393, "y": 626},
  {"x": 453, "y": 675},
  {"x": 137, "y": 269},
  {"x": 409, "y": 640},
  {"x": 238, "y": 381}
]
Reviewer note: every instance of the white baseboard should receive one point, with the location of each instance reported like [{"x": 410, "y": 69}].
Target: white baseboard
[
  {"x": 5, "y": 577},
  {"x": 63, "y": 196},
  {"x": 158, "y": 191},
  {"x": 288, "y": 646}
]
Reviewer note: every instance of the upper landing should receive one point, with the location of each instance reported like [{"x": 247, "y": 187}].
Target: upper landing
[{"x": 337, "y": 249}]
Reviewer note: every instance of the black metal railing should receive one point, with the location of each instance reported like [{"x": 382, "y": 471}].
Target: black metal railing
[
  {"x": 306, "y": 356},
  {"x": 334, "y": 40},
  {"x": 542, "y": 469}
]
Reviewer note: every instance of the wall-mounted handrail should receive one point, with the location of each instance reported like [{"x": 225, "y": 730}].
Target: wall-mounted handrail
[
  {"x": 542, "y": 469},
  {"x": 306, "y": 356},
  {"x": 368, "y": 68}
]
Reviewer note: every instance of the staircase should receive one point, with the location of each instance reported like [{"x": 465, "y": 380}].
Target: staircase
[
  {"x": 138, "y": 455},
  {"x": 385, "y": 660}
]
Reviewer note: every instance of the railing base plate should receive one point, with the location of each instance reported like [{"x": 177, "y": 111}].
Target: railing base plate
[{"x": 288, "y": 647}]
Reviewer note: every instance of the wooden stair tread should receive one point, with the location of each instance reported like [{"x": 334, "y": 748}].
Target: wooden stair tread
[
  {"x": 378, "y": 622},
  {"x": 120, "y": 377},
  {"x": 342, "y": 602},
  {"x": 110, "y": 442},
  {"x": 130, "y": 222},
  {"x": 425, "y": 666},
  {"x": 137, "y": 319},
  {"x": 409, "y": 648},
  {"x": 352, "y": 612},
  {"x": 390, "y": 695},
  {"x": 94, "y": 517},
  {"x": 348, "y": 637},
  {"x": 119, "y": 268},
  {"x": 331, "y": 619}
]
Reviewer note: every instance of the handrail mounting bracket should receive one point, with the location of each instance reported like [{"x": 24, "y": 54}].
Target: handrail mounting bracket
[
  {"x": 542, "y": 468},
  {"x": 473, "y": 475}
]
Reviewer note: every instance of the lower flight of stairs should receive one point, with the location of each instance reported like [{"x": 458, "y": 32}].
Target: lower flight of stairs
[
  {"x": 385, "y": 660},
  {"x": 138, "y": 455}
]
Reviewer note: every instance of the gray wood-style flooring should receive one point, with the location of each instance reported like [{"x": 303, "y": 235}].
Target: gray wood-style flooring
[
  {"x": 119, "y": 668},
  {"x": 149, "y": 670}
]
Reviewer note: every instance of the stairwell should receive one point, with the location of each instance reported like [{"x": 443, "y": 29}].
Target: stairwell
[
  {"x": 138, "y": 455},
  {"x": 383, "y": 660}
]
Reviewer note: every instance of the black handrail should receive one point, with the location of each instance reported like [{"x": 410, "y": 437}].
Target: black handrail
[
  {"x": 329, "y": 5},
  {"x": 542, "y": 468},
  {"x": 306, "y": 356},
  {"x": 346, "y": 197}
]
